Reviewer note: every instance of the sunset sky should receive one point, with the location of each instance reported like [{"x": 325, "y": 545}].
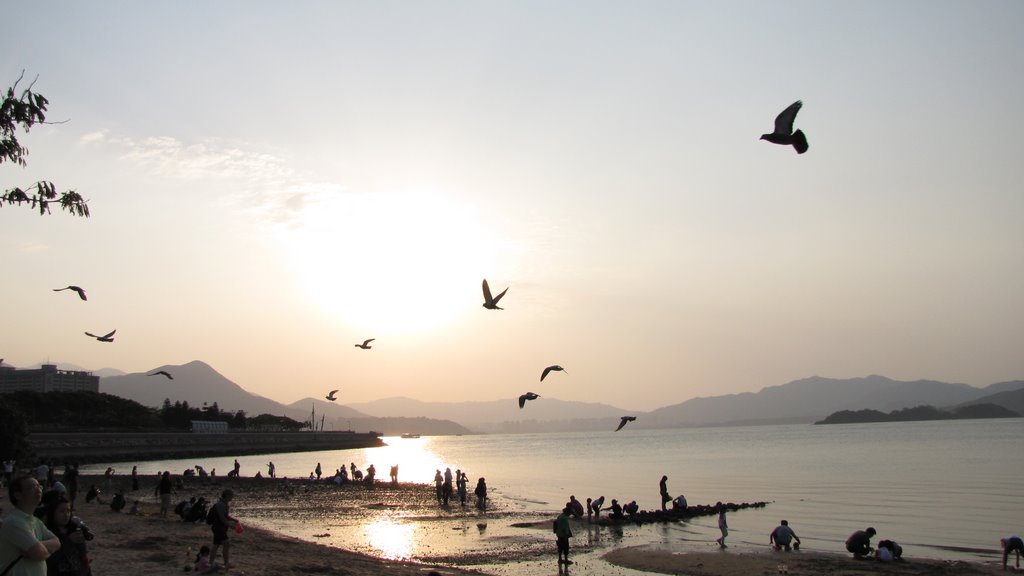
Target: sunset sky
[{"x": 273, "y": 182}]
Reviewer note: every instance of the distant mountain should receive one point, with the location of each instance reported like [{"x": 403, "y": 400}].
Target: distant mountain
[
  {"x": 1011, "y": 399},
  {"x": 197, "y": 383},
  {"x": 919, "y": 413},
  {"x": 503, "y": 415},
  {"x": 812, "y": 399}
]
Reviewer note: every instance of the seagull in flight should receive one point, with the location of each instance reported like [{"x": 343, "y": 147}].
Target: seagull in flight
[
  {"x": 555, "y": 368},
  {"x": 365, "y": 345},
  {"x": 490, "y": 302},
  {"x": 527, "y": 396},
  {"x": 784, "y": 133},
  {"x": 332, "y": 396},
  {"x": 624, "y": 420},
  {"x": 105, "y": 338},
  {"x": 161, "y": 373},
  {"x": 81, "y": 293}
]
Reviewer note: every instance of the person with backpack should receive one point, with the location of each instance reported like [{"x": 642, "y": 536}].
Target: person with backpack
[{"x": 220, "y": 522}]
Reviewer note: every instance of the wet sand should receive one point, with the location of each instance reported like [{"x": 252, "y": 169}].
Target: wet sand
[{"x": 147, "y": 544}]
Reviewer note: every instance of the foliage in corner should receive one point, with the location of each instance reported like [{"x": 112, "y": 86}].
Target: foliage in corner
[{"x": 25, "y": 111}]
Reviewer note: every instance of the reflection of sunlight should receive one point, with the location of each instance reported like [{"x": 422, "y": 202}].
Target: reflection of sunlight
[
  {"x": 395, "y": 541},
  {"x": 415, "y": 459}
]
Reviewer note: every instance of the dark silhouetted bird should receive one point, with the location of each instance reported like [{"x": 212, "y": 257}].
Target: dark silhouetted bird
[
  {"x": 105, "y": 338},
  {"x": 81, "y": 293},
  {"x": 332, "y": 396},
  {"x": 527, "y": 396},
  {"x": 491, "y": 303},
  {"x": 366, "y": 344},
  {"x": 555, "y": 368},
  {"x": 784, "y": 133},
  {"x": 624, "y": 420},
  {"x": 161, "y": 373}
]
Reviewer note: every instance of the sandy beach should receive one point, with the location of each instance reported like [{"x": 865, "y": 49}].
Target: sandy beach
[{"x": 146, "y": 544}]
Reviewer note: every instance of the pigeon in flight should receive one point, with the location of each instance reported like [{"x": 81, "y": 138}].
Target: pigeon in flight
[
  {"x": 555, "y": 368},
  {"x": 490, "y": 302},
  {"x": 105, "y": 338},
  {"x": 527, "y": 396},
  {"x": 332, "y": 396},
  {"x": 784, "y": 133},
  {"x": 81, "y": 293},
  {"x": 624, "y": 420},
  {"x": 366, "y": 344},
  {"x": 161, "y": 373}
]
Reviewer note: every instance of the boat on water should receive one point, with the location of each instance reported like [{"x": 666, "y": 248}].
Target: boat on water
[{"x": 408, "y": 435}]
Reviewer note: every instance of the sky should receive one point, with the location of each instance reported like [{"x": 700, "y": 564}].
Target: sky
[{"x": 271, "y": 183}]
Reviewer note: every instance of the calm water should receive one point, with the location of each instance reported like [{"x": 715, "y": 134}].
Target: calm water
[{"x": 945, "y": 490}]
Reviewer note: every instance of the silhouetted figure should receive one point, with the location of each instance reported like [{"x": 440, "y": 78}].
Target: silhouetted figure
[
  {"x": 109, "y": 337},
  {"x": 81, "y": 293},
  {"x": 481, "y": 494},
  {"x": 679, "y": 504},
  {"x": 394, "y": 474},
  {"x": 1012, "y": 543},
  {"x": 562, "y": 534},
  {"x": 888, "y": 551},
  {"x": 555, "y": 368},
  {"x": 527, "y": 396},
  {"x": 784, "y": 133},
  {"x": 596, "y": 507},
  {"x": 491, "y": 303},
  {"x": 723, "y": 526},
  {"x": 663, "y": 488},
  {"x": 783, "y": 536},
  {"x": 575, "y": 507},
  {"x": 859, "y": 543},
  {"x": 446, "y": 488}
]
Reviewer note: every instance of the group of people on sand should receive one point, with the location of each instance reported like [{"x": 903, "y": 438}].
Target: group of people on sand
[{"x": 444, "y": 488}]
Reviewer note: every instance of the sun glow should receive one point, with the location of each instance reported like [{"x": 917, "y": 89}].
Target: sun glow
[
  {"x": 391, "y": 263},
  {"x": 392, "y": 539}
]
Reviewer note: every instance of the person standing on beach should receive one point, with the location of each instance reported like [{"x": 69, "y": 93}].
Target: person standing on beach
[
  {"x": 446, "y": 488},
  {"x": 222, "y": 521},
  {"x": 590, "y": 510},
  {"x": 663, "y": 487},
  {"x": 1012, "y": 543},
  {"x": 318, "y": 470},
  {"x": 270, "y": 469},
  {"x": 394, "y": 474},
  {"x": 25, "y": 542},
  {"x": 859, "y": 543},
  {"x": 722, "y": 525},
  {"x": 163, "y": 489},
  {"x": 438, "y": 485},
  {"x": 460, "y": 485},
  {"x": 481, "y": 494},
  {"x": 135, "y": 478},
  {"x": 562, "y": 534}
]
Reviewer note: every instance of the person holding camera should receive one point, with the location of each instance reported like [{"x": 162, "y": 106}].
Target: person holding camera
[{"x": 73, "y": 557}]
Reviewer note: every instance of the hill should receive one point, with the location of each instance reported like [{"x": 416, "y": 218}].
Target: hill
[
  {"x": 812, "y": 399},
  {"x": 1012, "y": 399},
  {"x": 920, "y": 413}
]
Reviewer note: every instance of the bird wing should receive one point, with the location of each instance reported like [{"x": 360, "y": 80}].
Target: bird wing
[
  {"x": 500, "y": 295},
  {"x": 622, "y": 423},
  {"x": 545, "y": 372},
  {"x": 522, "y": 401},
  {"x": 333, "y": 392},
  {"x": 81, "y": 293},
  {"x": 90, "y": 334},
  {"x": 111, "y": 332},
  {"x": 487, "y": 292},
  {"x": 365, "y": 342},
  {"x": 784, "y": 121}
]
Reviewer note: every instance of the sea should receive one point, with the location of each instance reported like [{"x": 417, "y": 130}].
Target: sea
[{"x": 945, "y": 490}]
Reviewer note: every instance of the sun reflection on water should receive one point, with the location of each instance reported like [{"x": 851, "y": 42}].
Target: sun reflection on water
[{"x": 394, "y": 540}]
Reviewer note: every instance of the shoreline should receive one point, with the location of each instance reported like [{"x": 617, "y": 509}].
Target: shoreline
[{"x": 342, "y": 525}]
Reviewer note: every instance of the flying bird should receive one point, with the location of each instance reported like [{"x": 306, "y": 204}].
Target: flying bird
[
  {"x": 105, "y": 338},
  {"x": 161, "y": 373},
  {"x": 555, "y": 368},
  {"x": 366, "y": 344},
  {"x": 81, "y": 293},
  {"x": 784, "y": 133},
  {"x": 624, "y": 420},
  {"x": 332, "y": 396},
  {"x": 527, "y": 396},
  {"x": 490, "y": 302}
]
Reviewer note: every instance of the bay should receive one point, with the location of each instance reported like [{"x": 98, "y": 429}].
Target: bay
[{"x": 942, "y": 489}]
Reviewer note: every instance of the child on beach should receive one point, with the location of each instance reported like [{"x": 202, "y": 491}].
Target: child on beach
[
  {"x": 562, "y": 534},
  {"x": 722, "y": 525},
  {"x": 203, "y": 564}
]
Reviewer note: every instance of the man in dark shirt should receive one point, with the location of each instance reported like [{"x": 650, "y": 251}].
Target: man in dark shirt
[{"x": 859, "y": 543}]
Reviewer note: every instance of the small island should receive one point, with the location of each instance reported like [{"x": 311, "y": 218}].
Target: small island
[{"x": 919, "y": 413}]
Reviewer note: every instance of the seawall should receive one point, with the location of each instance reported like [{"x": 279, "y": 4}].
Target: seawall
[{"x": 90, "y": 447}]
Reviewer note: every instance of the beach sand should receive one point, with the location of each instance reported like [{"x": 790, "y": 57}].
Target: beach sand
[{"x": 146, "y": 544}]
